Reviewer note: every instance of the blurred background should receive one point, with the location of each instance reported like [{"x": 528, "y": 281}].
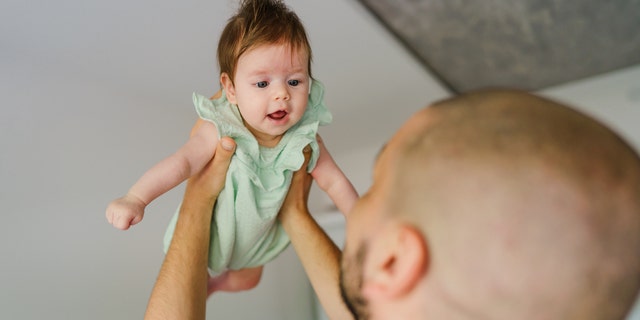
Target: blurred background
[{"x": 95, "y": 92}]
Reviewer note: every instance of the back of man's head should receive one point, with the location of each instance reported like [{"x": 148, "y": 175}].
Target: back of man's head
[{"x": 530, "y": 209}]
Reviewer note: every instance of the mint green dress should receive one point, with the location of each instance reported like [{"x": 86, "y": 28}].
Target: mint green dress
[{"x": 245, "y": 231}]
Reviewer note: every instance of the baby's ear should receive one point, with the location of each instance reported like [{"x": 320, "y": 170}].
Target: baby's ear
[{"x": 228, "y": 87}]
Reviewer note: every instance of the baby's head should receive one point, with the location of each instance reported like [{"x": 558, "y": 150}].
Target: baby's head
[
  {"x": 265, "y": 67},
  {"x": 257, "y": 23}
]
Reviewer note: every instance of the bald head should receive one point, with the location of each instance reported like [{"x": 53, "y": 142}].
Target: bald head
[{"x": 528, "y": 207}]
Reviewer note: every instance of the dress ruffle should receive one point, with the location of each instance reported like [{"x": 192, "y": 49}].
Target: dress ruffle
[
  {"x": 266, "y": 166},
  {"x": 245, "y": 231}
]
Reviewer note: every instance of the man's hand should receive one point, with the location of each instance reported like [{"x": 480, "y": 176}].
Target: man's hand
[
  {"x": 319, "y": 255},
  {"x": 296, "y": 200},
  {"x": 180, "y": 291},
  {"x": 208, "y": 183}
]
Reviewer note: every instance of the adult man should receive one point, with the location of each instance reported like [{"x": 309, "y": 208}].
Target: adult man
[{"x": 491, "y": 205}]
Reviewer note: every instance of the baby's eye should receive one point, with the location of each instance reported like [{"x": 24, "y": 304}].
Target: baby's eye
[
  {"x": 294, "y": 83},
  {"x": 262, "y": 84}
]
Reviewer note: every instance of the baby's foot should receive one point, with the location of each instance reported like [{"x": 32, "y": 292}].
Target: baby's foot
[{"x": 235, "y": 280}]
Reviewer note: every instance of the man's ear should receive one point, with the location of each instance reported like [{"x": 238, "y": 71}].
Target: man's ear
[
  {"x": 397, "y": 265},
  {"x": 229, "y": 88}
]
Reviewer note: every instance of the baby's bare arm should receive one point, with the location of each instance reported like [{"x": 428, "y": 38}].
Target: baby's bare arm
[
  {"x": 178, "y": 167},
  {"x": 332, "y": 180},
  {"x": 167, "y": 174}
]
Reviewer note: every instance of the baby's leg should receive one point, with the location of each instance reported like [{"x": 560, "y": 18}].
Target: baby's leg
[{"x": 235, "y": 280}]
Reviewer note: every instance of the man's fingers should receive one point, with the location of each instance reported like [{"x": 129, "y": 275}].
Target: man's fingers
[
  {"x": 302, "y": 176},
  {"x": 296, "y": 199},
  {"x": 214, "y": 174},
  {"x": 307, "y": 155},
  {"x": 222, "y": 158}
]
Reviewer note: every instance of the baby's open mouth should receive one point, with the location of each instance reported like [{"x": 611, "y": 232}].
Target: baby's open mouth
[{"x": 278, "y": 115}]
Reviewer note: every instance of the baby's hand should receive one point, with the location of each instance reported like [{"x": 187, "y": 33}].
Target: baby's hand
[{"x": 124, "y": 212}]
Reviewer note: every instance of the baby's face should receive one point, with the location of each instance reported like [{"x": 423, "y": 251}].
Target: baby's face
[{"x": 271, "y": 89}]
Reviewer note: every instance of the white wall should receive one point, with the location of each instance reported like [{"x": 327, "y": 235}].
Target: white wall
[{"x": 93, "y": 94}]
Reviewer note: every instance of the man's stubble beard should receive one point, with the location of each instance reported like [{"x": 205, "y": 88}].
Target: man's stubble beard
[{"x": 351, "y": 279}]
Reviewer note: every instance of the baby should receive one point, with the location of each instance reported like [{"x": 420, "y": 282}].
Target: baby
[{"x": 272, "y": 107}]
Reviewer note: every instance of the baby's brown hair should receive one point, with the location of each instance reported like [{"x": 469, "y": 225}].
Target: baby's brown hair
[{"x": 260, "y": 22}]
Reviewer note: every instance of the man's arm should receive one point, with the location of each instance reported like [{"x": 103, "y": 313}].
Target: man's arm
[
  {"x": 319, "y": 255},
  {"x": 180, "y": 291}
]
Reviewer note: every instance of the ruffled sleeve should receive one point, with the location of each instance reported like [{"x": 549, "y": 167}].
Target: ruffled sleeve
[
  {"x": 304, "y": 132},
  {"x": 267, "y": 167},
  {"x": 316, "y": 108},
  {"x": 228, "y": 121}
]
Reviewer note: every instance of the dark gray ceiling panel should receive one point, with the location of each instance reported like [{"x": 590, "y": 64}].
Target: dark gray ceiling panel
[{"x": 529, "y": 44}]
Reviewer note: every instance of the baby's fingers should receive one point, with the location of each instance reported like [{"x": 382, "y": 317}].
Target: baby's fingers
[
  {"x": 135, "y": 220},
  {"x": 122, "y": 220},
  {"x": 109, "y": 215}
]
